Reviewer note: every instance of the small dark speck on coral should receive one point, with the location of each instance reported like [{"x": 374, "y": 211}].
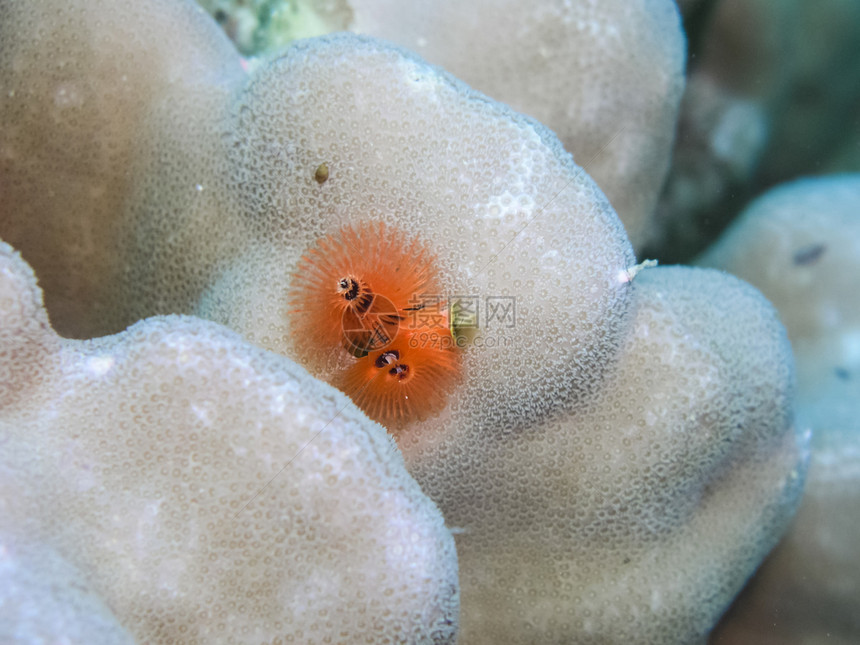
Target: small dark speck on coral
[
  {"x": 809, "y": 254},
  {"x": 321, "y": 174}
]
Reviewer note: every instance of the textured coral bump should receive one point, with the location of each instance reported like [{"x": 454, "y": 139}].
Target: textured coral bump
[{"x": 367, "y": 299}]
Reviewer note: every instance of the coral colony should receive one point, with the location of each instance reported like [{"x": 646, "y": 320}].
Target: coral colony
[{"x": 330, "y": 346}]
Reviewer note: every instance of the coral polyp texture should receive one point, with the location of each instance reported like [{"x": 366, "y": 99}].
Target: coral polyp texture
[
  {"x": 619, "y": 453},
  {"x": 800, "y": 243},
  {"x": 636, "y": 516},
  {"x": 606, "y": 76},
  {"x": 203, "y": 489},
  {"x": 44, "y": 599}
]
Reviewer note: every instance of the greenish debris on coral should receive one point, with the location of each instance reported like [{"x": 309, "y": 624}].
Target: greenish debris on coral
[{"x": 260, "y": 26}]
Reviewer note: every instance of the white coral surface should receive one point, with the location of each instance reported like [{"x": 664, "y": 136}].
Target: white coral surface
[
  {"x": 619, "y": 455},
  {"x": 800, "y": 243},
  {"x": 207, "y": 492}
]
